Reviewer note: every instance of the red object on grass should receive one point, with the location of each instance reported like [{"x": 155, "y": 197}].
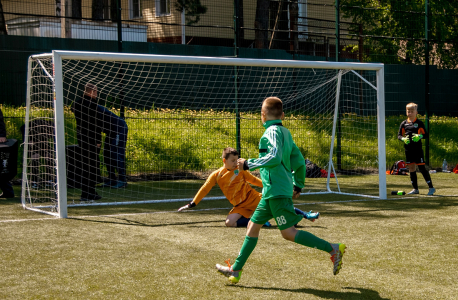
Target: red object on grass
[
  {"x": 324, "y": 174},
  {"x": 455, "y": 169}
]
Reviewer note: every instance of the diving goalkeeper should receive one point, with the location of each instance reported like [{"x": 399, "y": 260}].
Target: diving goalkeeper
[{"x": 235, "y": 186}]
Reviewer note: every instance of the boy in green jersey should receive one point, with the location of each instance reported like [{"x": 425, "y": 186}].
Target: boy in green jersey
[{"x": 282, "y": 169}]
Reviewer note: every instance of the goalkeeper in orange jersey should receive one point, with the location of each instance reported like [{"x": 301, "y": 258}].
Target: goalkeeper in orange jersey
[{"x": 235, "y": 186}]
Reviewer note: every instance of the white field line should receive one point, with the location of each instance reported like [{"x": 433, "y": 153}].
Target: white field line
[{"x": 197, "y": 210}]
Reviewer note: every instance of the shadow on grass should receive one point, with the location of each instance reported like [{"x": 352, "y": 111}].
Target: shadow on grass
[
  {"x": 129, "y": 222},
  {"x": 9, "y": 201},
  {"x": 361, "y": 294},
  {"x": 124, "y": 221},
  {"x": 367, "y": 209}
]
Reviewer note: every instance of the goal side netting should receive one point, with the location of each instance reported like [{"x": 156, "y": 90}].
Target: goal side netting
[{"x": 156, "y": 126}]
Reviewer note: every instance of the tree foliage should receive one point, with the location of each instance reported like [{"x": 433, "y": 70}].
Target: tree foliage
[
  {"x": 395, "y": 30},
  {"x": 193, "y": 10}
]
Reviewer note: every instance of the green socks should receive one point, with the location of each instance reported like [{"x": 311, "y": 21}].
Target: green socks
[
  {"x": 307, "y": 239},
  {"x": 302, "y": 237},
  {"x": 248, "y": 246}
]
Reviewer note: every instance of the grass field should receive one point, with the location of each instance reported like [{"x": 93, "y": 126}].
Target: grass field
[{"x": 400, "y": 248}]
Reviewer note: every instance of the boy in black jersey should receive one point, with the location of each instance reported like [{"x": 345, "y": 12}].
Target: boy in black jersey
[{"x": 411, "y": 132}]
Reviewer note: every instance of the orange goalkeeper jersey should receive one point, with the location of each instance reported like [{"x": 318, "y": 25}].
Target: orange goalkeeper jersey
[{"x": 234, "y": 184}]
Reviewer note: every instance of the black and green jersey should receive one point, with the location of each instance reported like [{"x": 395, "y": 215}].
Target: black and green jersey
[
  {"x": 280, "y": 160},
  {"x": 408, "y": 129}
]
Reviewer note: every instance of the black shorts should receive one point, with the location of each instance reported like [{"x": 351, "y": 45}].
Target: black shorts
[{"x": 415, "y": 157}]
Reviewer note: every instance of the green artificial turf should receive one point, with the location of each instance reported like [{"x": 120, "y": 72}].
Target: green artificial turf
[{"x": 400, "y": 248}]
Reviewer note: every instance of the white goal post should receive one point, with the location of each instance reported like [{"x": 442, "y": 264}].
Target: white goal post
[{"x": 334, "y": 110}]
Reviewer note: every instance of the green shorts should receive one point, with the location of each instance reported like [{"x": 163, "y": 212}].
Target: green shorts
[{"x": 281, "y": 209}]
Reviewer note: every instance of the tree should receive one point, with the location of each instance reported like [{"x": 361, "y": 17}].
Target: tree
[
  {"x": 2, "y": 21},
  {"x": 395, "y": 30},
  {"x": 193, "y": 9}
]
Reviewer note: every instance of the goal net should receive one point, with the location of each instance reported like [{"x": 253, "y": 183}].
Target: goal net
[{"x": 156, "y": 125}]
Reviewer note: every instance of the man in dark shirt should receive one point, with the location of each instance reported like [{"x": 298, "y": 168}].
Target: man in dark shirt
[
  {"x": 5, "y": 185},
  {"x": 89, "y": 136},
  {"x": 411, "y": 131},
  {"x": 114, "y": 152}
]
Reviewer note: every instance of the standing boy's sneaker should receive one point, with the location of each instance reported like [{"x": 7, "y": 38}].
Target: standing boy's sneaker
[
  {"x": 234, "y": 277},
  {"x": 337, "y": 253},
  {"x": 90, "y": 197},
  {"x": 431, "y": 191},
  {"x": 413, "y": 192},
  {"x": 119, "y": 185}
]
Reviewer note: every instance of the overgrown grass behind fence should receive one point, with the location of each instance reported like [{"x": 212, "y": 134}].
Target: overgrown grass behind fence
[{"x": 189, "y": 140}]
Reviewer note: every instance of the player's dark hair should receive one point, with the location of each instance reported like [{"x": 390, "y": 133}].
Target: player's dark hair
[
  {"x": 273, "y": 107},
  {"x": 228, "y": 151},
  {"x": 90, "y": 87}
]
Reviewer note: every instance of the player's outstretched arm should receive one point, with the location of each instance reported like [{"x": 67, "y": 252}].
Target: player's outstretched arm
[
  {"x": 187, "y": 206},
  {"x": 204, "y": 190},
  {"x": 242, "y": 164},
  {"x": 252, "y": 179}
]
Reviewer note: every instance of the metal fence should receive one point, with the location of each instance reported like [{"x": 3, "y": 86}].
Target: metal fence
[
  {"x": 416, "y": 36},
  {"x": 392, "y": 32}
]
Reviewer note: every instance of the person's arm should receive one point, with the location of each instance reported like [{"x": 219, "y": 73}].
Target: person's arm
[
  {"x": 422, "y": 130},
  {"x": 271, "y": 144},
  {"x": 252, "y": 179},
  {"x": 298, "y": 166},
  {"x": 2, "y": 128},
  {"x": 204, "y": 190},
  {"x": 401, "y": 132}
]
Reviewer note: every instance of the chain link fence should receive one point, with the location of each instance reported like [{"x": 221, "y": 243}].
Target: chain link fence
[{"x": 415, "y": 38}]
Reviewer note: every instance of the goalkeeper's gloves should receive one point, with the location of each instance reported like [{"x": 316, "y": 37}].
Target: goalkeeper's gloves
[
  {"x": 417, "y": 137},
  {"x": 406, "y": 140},
  {"x": 189, "y": 205}
]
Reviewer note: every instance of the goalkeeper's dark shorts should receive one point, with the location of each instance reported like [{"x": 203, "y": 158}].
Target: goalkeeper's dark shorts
[{"x": 415, "y": 156}]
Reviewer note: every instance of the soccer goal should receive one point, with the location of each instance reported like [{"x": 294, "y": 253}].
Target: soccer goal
[{"x": 181, "y": 112}]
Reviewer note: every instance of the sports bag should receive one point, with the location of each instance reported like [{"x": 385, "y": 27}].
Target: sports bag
[{"x": 398, "y": 168}]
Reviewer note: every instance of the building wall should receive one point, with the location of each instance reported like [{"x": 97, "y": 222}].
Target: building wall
[{"x": 216, "y": 23}]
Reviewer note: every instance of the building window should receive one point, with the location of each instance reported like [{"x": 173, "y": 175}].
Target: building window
[
  {"x": 303, "y": 21},
  {"x": 134, "y": 9},
  {"x": 162, "y": 8},
  {"x": 106, "y": 10}
]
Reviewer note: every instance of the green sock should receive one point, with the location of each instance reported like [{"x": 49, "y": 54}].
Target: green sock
[
  {"x": 248, "y": 246},
  {"x": 307, "y": 239}
]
